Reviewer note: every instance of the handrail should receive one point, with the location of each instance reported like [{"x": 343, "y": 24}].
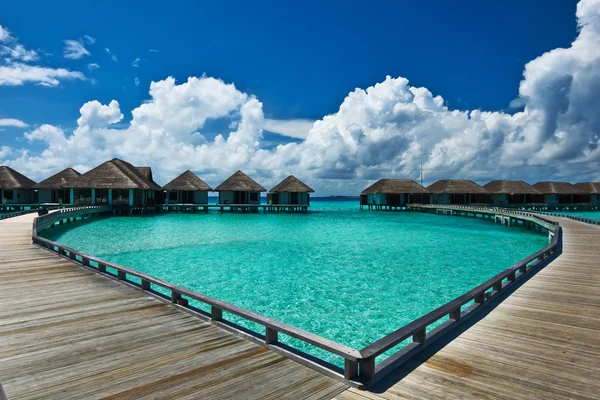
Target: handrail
[
  {"x": 359, "y": 366},
  {"x": 573, "y": 217}
]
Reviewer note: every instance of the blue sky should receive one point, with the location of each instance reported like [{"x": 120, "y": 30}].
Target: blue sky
[{"x": 300, "y": 61}]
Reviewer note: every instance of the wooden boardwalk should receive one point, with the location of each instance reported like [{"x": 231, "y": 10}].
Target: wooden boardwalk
[
  {"x": 542, "y": 342},
  {"x": 68, "y": 333}
]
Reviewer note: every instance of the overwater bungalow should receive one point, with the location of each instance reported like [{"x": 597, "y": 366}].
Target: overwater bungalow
[
  {"x": 187, "y": 188},
  {"x": 240, "y": 189},
  {"x": 15, "y": 188},
  {"x": 290, "y": 191},
  {"x": 562, "y": 193},
  {"x": 115, "y": 182},
  {"x": 393, "y": 193},
  {"x": 458, "y": 191},
  {"x": 591, "y": 188},
  {"x": 505, "y": 192},
  {"x": 56, "y": 189}
]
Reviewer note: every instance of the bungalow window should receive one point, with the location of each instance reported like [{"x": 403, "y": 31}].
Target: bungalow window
[
  {"x": 172, "y": 196},
  {"x": 8, "y": 194},
  {"x": 253, "y": 196}
]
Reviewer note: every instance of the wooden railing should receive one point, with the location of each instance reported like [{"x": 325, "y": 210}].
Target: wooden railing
[
  {"x": 573, "y": 217},
  {"x": 15, "y": 214},
  {"x": 360, "y": 368}
]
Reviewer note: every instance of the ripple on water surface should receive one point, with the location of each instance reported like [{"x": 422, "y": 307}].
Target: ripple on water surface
[{"x": 348, "y": 275}]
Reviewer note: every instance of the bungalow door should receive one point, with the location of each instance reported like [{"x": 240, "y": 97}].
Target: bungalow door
[
  {"x": 293, "y": 198},
  {"x": 239, "y": 198}
]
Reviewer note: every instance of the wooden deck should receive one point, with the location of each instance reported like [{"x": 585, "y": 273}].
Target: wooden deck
[
  {"x": 68, "y": 333},
  {"x": 542, "y": 342}
]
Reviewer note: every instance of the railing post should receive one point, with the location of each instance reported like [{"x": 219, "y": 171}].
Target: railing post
[
  {"x": 145, "y": 284},
  {"x": 121, "y": 275},
  {"x": 367, "y": 369},
  {"x": 175, "y": 296},
  {"x": 101, "y": 267},
  {"x": 512, "y": 276},
  {"x": 420, "y": 336},
  {"x": 350, "y": 369},
  {"x": 480, "y": 298},
  {"x": 271, "y": 336},
  {"x": 498, "y": 286},
  {"x": 216, "y": 314},
  {"x": 455, "y": 314}
]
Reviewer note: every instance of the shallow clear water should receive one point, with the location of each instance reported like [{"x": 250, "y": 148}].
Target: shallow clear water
[{"x": 349, "y": 275}]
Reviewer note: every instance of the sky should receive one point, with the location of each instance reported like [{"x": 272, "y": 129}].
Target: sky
[{"x": 338, "y": 94}]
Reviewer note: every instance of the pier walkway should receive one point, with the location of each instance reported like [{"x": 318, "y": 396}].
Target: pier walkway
[
  {"x": 541, "y": 342},
  {"x": 69, "y": 333}
]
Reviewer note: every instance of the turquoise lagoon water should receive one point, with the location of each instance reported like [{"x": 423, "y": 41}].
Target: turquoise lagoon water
[{"x": 348, "y": 275}]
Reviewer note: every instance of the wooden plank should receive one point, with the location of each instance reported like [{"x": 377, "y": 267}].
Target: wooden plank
[{"x": 66, "y": 332}]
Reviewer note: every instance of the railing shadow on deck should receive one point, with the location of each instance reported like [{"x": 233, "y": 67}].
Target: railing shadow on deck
[{"x": 360, "y": 368}]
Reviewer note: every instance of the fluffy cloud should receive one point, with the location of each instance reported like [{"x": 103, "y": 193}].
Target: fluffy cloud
[
  {"x": 385, "y": 130},
  {"x": 13, "y": 122},
  {"x": 75, "y": 49},
  {"x": 93, "y": 66},
  {"x": 16, "y": 74}
]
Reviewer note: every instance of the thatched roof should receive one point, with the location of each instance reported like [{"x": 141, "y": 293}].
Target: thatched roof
[
  {"x": 239, "y": 182},
  {"x": 558, "y": 188},
  {"x": 395, "y": 186},
  {"x": 510, "y": 187},
  {"x": 456, "y": 186},
  {"x": 187, "y": 181},
  {"x": 61, "y": 180},
  {"x": 292, "y": 184},
  {"x": 147, "y": 172},
  {"x": 589, "y": 187},
  {"x": 11, "y": 179},
  {"x": 114, "y": 174}
]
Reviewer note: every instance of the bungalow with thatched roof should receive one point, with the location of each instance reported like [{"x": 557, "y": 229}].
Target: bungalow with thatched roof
[
  {"x": 239, "y": 188},
  {"x": 458, "y": 191},
  {"x": 513, "y": 192},
  {"x": 187, "y": 188},
  {"x": 562, "y": 193},
  {"x": 56, "y": 189},
  {"x": 387, "y": 193},
  {"x": 15, "y": 188},
  {"x": 591, "y": 188},
  {"x": 115, "y": 182},
  {"x": 290, "y": 191}
]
